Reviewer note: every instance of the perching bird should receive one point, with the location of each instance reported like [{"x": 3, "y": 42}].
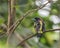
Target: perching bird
[{"x": 39, "y": 26}]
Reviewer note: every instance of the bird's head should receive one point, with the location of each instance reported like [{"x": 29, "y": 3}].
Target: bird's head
[{"x": 36, "y": 19}]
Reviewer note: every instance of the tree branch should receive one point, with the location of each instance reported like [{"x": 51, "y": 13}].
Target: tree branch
[
  {"x": 11, "y": 14},
  {"x": 11, "y": 17},
  {"x": 35, "y": 35}
]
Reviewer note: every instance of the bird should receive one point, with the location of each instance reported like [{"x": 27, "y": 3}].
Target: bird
[{"x": 39, "y": 26}]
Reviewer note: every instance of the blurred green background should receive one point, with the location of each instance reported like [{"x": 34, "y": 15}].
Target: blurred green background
[{"x": 50, "y": 14}]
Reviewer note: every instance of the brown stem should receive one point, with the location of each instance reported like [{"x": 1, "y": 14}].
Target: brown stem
[
  {"x": 9, "y": 14},
  {"x": 51, "y": 30},
  {"x": 11, "y": 17}
]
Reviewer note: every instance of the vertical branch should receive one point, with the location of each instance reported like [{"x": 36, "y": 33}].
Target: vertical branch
[
  {"x": 13, "y": 11},
  {"x": 11, "y": 14},
  {"x": 11, "y": 17}
]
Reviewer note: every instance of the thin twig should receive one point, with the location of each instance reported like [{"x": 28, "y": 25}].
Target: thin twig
[
  {"x": 35, "y": 35},
  {"x": 51, "y": 30}
]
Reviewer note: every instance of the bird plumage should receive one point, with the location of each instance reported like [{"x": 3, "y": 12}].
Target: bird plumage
[{"x": 39, "y": 26}]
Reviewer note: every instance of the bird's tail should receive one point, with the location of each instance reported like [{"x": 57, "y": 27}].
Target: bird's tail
[{"x": 39, "y": 35}]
